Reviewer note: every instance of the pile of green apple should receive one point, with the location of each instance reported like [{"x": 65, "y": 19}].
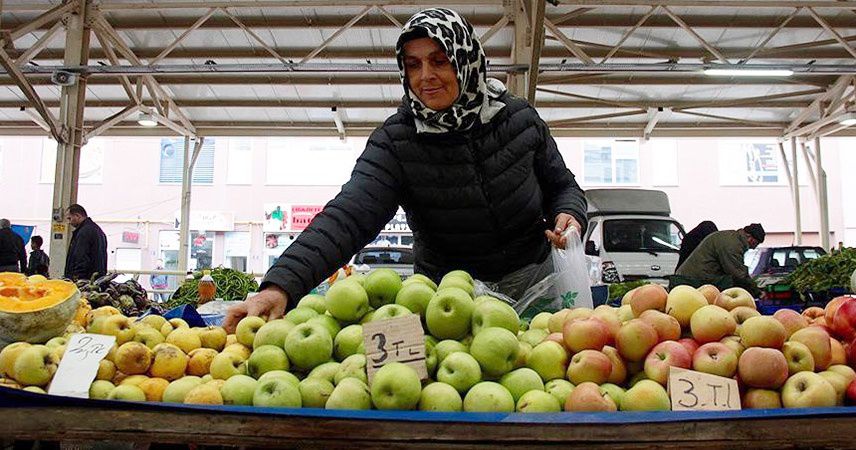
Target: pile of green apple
[{"x": 480, "y": 357}]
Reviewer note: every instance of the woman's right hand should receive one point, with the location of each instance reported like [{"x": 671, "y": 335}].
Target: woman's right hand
[{"x": 269, "y": 303}]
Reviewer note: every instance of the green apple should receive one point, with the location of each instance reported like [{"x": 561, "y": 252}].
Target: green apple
[
  {"x": 549, "y": 359},
  {"x": 128, "y": 393},
  {"x": 350, "y": 393},
  {"x": 100, "y": 389},
  {"x": 646, "y": 395},
  {"x": 538, "y": 402},
  {"x": 227, "y": 364},
  {"x": 154, "y": 321},
  {"x": 273, "y": 333},
  {"x": 314, "y": 392},
  {"x": 328, "y": 322},
  {"x": 439, "y": 396},
  {"x": 35, "y": 366},
  {"x": 326, "y": 371},
  {"x": 494, "y": 313},
  {"x": 213, "y": 337},
  {"x": 359, "y": 278},
  {"x": 34, "y": 389},
  {"x": 540, "y": 321},
  {"x": 148, "y": 336},
  {"x": 387, "y": 312},
  {"x": 308, "y": 345},
  {"x": 246, "y": 330},
  {"x": 300, "y": 315},
  {"x": 9, "y": 355},
  {"x": 353, "y": 366},
  {"x": 178, "y": 389},
  {"x": 266, "y": 358},
  {"x": 614, "y": 391},
  {"x": 521, "y": 381},
  {"x": 460, "y": 274},
  {"x": 56, "y": 342},
  {"x": 460, "y": 370},
  {"x": 560, "y": 389},
  {"x": 534, "y": 336},
  {"x": 382, "y": 285},
  {"x": 238, "y": 390},
  {"x": 808, "y": 390},
  {"x": 177, "y": 323},
  {"x": 415, "y": 297},
  {"x": 347, "y": 301},
  {"x": 348, "y": 342},
  {"x": 457, "y": 283},
  {"x": 277, "y": 393},
  {"x": 396, "y": 386},
  {"x": 419, "y": 278},
  {"x": 367, "y": 317},
  {"x": 496, "y": 351},
  {"x": 115, "y": 325},
  {"x": 430, "y": 357},
  {"x": 449, "y": 314},
  {"x": 290, "y": 377},
  {"x": 483, "y": 298},
  {"x": 314, "y": 301},
  {"x": 447, "y": 347},
  {"x": 488, "y": 396}
]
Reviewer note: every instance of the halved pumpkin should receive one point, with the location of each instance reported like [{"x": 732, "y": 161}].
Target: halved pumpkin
[{"x": 35, "y": 310}]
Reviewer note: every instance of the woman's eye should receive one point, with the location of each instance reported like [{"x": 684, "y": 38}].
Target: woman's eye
[
  {"x": 441, "y": 62},
  {"x": 411, "y": 64}
]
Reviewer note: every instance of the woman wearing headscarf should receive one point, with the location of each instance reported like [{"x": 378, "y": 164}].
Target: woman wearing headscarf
[
  {"x": 475, "y": 169},
  {"x": 693, "y": 238}
]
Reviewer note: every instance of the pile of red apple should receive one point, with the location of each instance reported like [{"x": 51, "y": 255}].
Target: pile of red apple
[{"x": 789, "y": 360}]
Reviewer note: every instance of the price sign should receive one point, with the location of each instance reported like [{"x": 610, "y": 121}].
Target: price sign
[
  {"x": 697, "y": 391},
  {"x": 79, "y": 364},
  {"x": 395, "y": 340}
]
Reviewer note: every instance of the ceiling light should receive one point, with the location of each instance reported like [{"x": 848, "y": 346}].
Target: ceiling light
[
  {"x": 848, "y": 119},
  {"x": 147, "y": 120},
  {"x": 749, "y": 72}
]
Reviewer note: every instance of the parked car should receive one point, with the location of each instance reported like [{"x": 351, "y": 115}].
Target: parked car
[
  {"x": 770, "y": 265},
  {"x": 399, "y": 259}
]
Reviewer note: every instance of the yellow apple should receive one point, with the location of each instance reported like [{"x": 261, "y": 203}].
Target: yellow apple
[
  {"x": 200, "y": 361},
  {"x": 169, "y": 362},
  {"x": 185, "y": 339}
]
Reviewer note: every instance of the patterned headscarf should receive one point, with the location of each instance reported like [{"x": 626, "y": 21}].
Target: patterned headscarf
[{"x": 478, "y": 98}]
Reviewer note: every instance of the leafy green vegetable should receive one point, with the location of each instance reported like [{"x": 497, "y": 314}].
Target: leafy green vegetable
[
  {"x": 824, "y": 273},
  {"x": 231, "y": 285},
  {"x": 617, "y": 290}
]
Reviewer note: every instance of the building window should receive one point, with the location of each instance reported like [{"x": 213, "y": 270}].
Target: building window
[
  {"x": 237, "y": 250},
  {"x": 664, "y": 162},
  {"x": 295, "y": 160},
  {"x": 611, "y": 162},
  {"x": 201, "y": 249},
  {"x": 742, "y": 163},
  {"x": 91, "y": 162},
  {"x": 172, "y": 161},
  {"x": 240, "y": 167}
]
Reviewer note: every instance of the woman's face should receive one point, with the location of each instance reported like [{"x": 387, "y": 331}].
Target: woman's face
[{"x": 430, "y": 74}]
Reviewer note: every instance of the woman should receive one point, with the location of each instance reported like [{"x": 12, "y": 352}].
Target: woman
[{"x": 475, "y": 170}]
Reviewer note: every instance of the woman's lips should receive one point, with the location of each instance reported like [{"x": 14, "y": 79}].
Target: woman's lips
[{"x": 431, "y": 91}]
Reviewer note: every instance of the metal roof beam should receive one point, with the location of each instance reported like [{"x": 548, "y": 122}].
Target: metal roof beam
[
  {"x": 42, "y": 20},
  {"x": 24, "y": 85},
  {"x": 40, "y": 44},
  {"x": 695, "y": 35},
  {"x": 715, "y": 4},
  {"x": 568, "y": 43},
  {"x": 183, "y": 35},
  {"x": 832, "y": 32},
  {"x": 770, "y": 36},
  {"x": 337, "y": 33},
  {"x": 628, "y": 33},
  {"x": 537, "y": 45}
]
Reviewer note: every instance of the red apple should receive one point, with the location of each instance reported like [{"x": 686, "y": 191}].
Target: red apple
[
  {"x": 832, "y": 307},
  {"x": 791, "y": 320},
  {"x": 817, "y": 341},
  {"x": 733, "y": 342},
  {"x": 664, "y": 355},
  {"x": 764, "y": 368},
  {"x": 635, "y": 339},
  {"x": 761, "y": 399},
  {"x": 813, "y": 313},
  {"x": 844, "y": 321},
  {"x": 744, "y": 313},
  {"x": 712, "y": 323},
  {"x": 839, "y": 355},
  {"x": 763, "y": 331},
  {"x": 851, "y": 393},
  {"x": 690, "y": 344},
  {"x": 711, "y": 293},
  {"x": 589, "y": 365},
  {"x": 588, "y": 397},
  {"x": 667, "y": 327},
  {"x": 647, "y": 297},
  {"x": 556, "y": 337},
  {"x": 851, "y": 354},
  {"x": 585, "y": 334},
  {"x": 619, "y": 368},
  {"x": 733, "y": 297},
  {"x": 715, "y": 358}
]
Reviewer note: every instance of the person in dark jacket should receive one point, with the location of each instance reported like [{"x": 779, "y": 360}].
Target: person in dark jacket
[
  {"x": 39, "y": 260},
  {"x": 693, "y": 239},
  {"x": 13, "y": 257},
  {"x": 718, "y": 260},
  {"x": 87, "y": 253},
  {"x": 475, "y": 169}
]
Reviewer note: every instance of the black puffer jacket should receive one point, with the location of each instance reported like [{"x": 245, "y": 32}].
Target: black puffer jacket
[{"x": 478, "y": 200}]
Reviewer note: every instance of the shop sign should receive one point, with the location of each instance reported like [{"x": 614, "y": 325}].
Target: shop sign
[
  {"x": 398, "y": 224},
  {"x": 302, "y": 215},
  {"x": 131, "y": 237},
  {"x": 209, "y": 220}
]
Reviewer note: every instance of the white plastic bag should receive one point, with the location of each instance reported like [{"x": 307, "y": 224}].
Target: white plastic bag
[{"x": 572, "y": 284}]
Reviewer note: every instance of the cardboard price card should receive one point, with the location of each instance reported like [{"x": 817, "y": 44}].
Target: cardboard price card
[
  {"x": 79, "y": 364},
  {"x": 395, "y": 340},
  {"x": 696, "y": 391}
]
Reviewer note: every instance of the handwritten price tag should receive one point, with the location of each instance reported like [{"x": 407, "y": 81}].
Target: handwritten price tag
[
  {"x": 79, "y": 364},
  {"x": 395, "y": 340},
  {"x": 697, "y": 391}
]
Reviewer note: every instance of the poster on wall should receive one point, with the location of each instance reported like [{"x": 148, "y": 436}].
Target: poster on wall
[
  {"x": 302, "y": 215},
  {"x": 276, "y": 217},
  {"x": 749, "y": 163}
]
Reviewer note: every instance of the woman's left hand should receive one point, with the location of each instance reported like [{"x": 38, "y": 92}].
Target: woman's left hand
[{"x": 563, "y": 221}]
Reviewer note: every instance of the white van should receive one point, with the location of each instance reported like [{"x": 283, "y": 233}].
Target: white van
[{"x": 631, "y": 231}]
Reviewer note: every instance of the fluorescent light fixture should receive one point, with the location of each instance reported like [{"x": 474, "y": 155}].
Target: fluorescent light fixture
[
  {"x": 147, "y": 120},
  {"x": 848, "y": 119},
  {"x": 749, "y": 72}
]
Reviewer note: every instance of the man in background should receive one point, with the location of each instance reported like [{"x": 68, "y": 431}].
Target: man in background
[
  {"x": 39, "y": 260},
  {"x": 13, "y": 257},
  {"x": 87, "y": 254},
  {"x": 718, "y": 260}
]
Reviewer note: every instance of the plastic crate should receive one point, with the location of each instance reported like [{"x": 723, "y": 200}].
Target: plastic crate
[{"x": 768, "y": 310}]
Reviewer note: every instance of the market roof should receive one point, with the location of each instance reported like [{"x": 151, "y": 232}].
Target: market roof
[{"x": 608, "y": 67}]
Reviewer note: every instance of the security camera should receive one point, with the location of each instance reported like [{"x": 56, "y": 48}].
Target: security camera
[{"x": 63, "y": 78}]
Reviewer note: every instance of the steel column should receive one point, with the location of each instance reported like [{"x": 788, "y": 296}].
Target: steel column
[
  {"x": 188, "y": 163},
  {"x": 72, "y": 102},
  {"x": 823, "y": 200},
  {"x": 796, "y": 193}
]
